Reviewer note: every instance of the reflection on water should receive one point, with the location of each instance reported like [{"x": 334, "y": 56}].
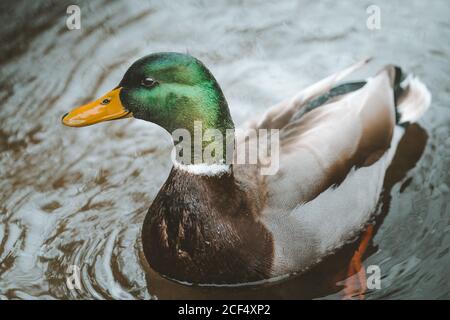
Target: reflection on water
[{"x": 79, "y": 196}]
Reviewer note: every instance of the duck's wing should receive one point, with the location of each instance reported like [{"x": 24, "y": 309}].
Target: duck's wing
[
  {"x": 320, "y": 148},
  {"x": 281, "y": 114},
  {"x": 333, "y": 155},
  {"x": 326, "y": 131}
]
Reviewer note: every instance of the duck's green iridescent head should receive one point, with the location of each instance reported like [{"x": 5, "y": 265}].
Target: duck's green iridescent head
[{"x": 169, "y": 89}]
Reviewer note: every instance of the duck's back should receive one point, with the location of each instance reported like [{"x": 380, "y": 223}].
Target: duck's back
[{"x": 332, "y": 163}]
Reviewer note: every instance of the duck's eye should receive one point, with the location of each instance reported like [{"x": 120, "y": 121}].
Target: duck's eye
[{"x": 148, "y": 82}]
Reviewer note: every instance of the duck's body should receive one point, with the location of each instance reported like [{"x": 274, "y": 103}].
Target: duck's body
[{"x": 234, "y": 225}]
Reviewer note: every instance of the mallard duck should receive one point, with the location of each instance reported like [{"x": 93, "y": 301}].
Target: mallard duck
[{"x": 225, "y": 223}]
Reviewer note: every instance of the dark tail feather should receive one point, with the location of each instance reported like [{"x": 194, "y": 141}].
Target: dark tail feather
[
  {"x": 398, "y": 79},
  {"x": 411, "y": 96},
  {"x": 397, "y": 76}
]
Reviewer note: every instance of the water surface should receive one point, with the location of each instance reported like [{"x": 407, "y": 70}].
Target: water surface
[{"x": 79, "y": 196}]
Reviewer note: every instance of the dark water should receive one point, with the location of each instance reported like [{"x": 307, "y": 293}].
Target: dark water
[{"x": 79, "y": 196}]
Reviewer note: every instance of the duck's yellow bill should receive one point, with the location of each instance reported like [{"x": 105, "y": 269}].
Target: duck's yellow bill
[{"x": 108, "y": 107}]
